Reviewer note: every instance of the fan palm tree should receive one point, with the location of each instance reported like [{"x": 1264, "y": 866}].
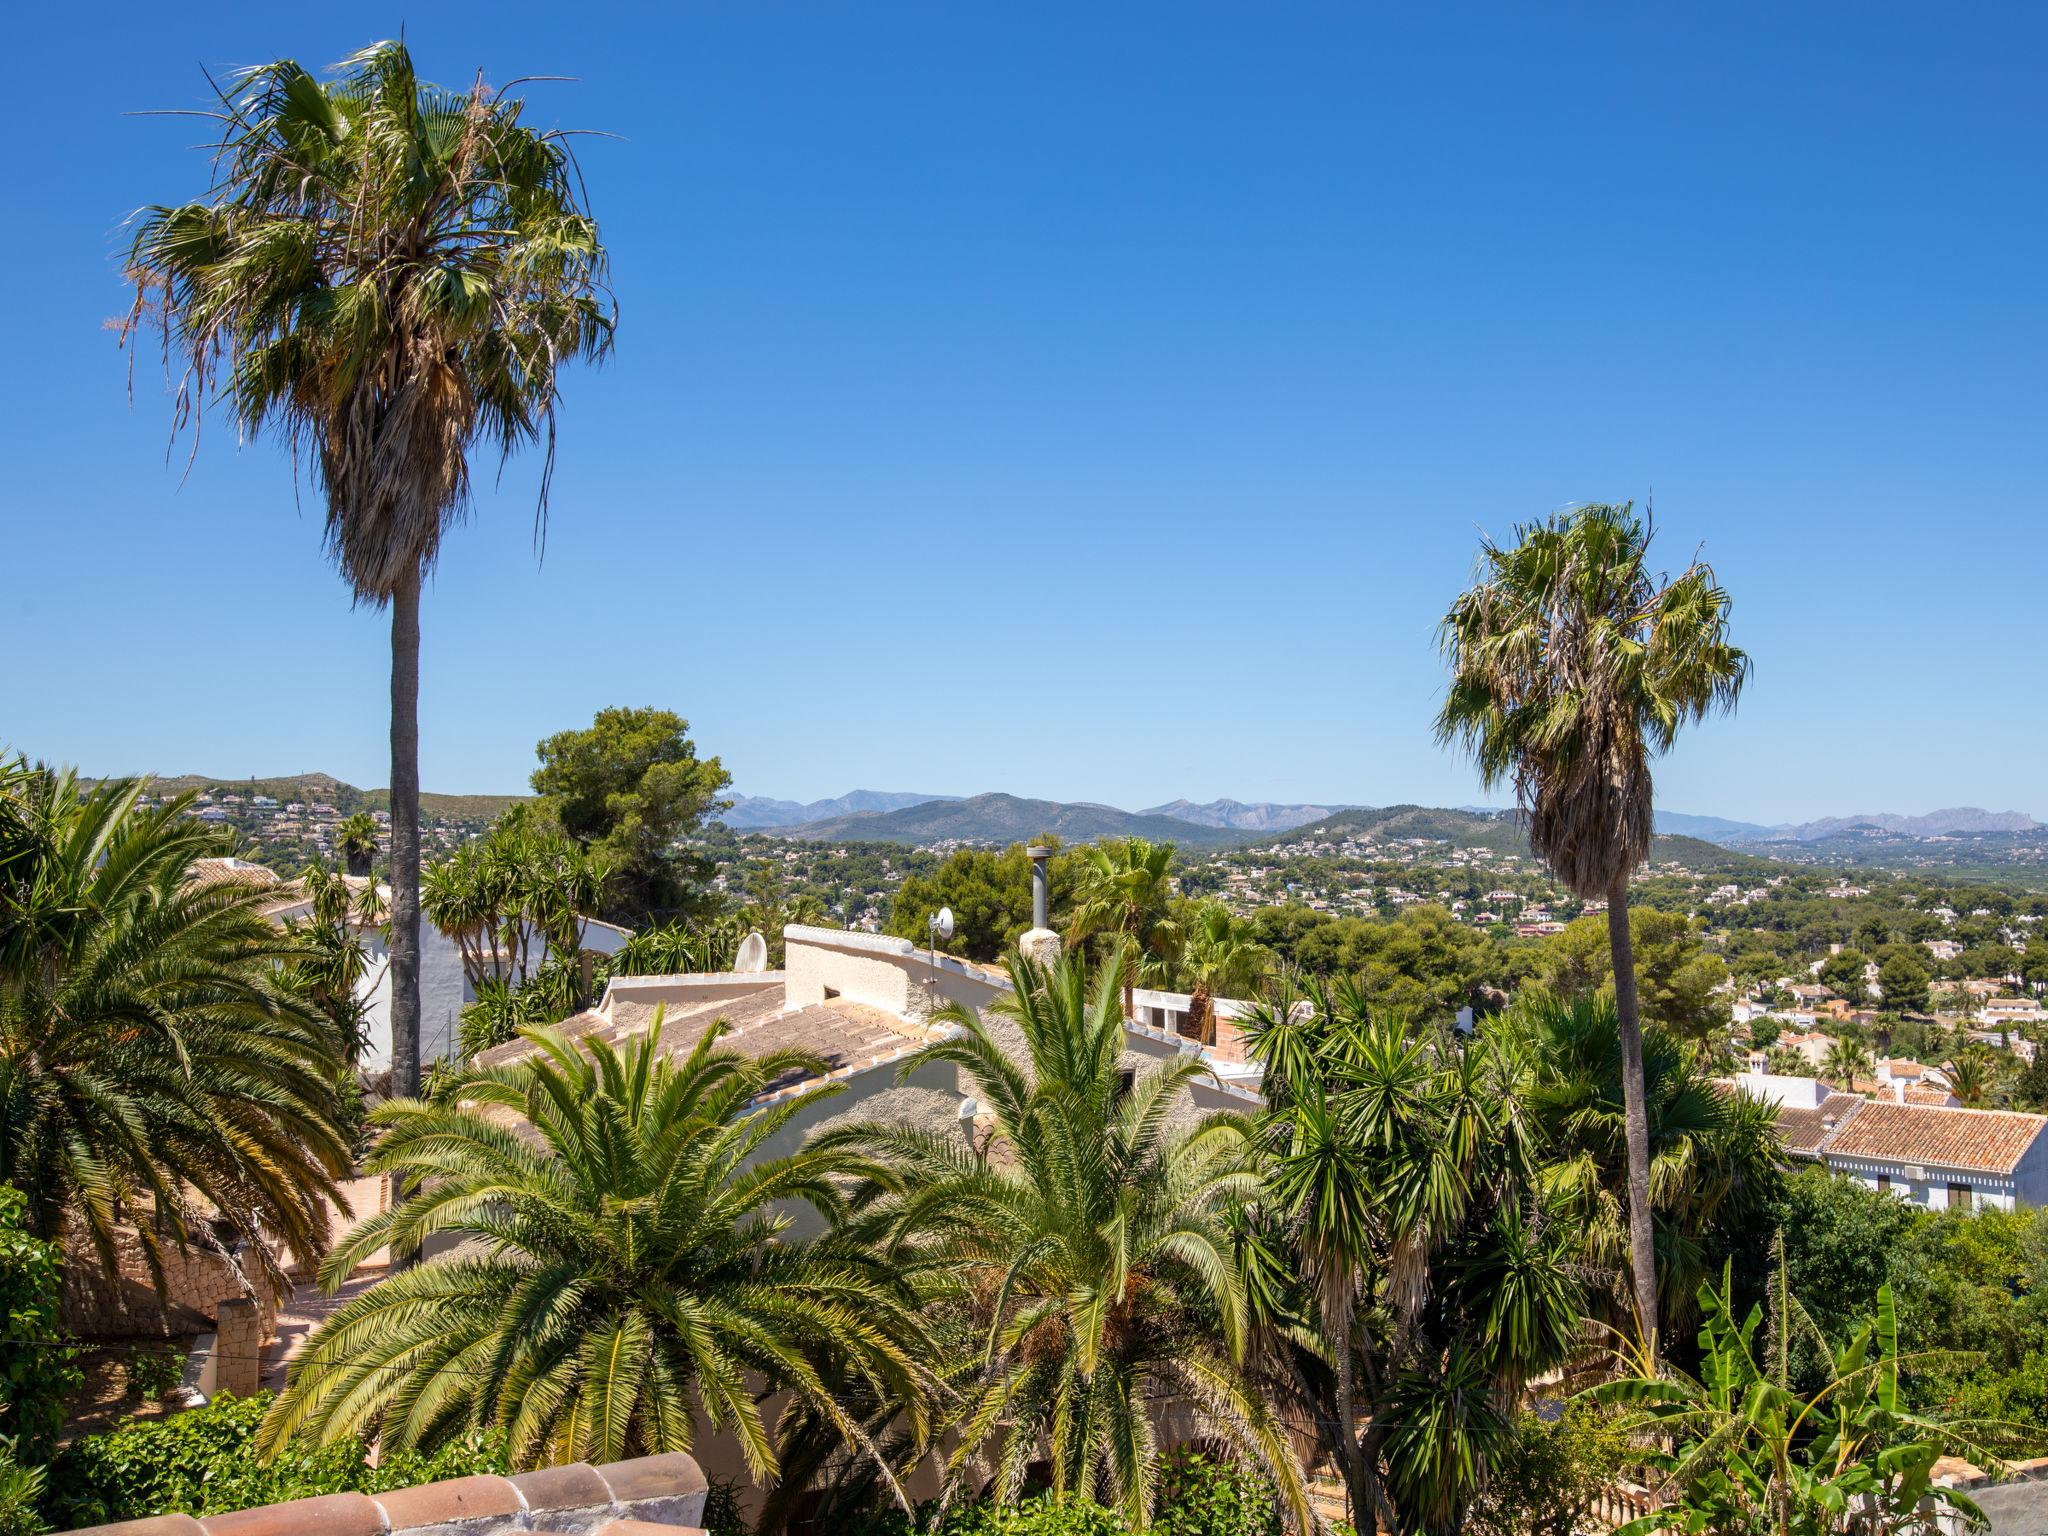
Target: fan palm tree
[
  {"x": 1218, "y": 958},
  {"x": 1846, "y": 1061},
  {"x": 148, "y": 1053},
  {"x": 389, "y": 275},
  {"x": 624, "y": 1266},
  {"x": 1125, "y": 891},
  {"x": 1572, "y": 665},
  {"x": 356, "y": 841},
  {"x": 1085, "y": 1252},
  {"x": 1714, "y": 1158}
]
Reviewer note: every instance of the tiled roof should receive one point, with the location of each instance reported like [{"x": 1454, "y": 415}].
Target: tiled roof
[
  {"x": 1803, "y": 1130},
  {"x": 1980, "y": 1140},
  {"x": 207, "y": 873},
  {"x": 647, "y": 1496},
  {"x": 845, "y": 1033}
]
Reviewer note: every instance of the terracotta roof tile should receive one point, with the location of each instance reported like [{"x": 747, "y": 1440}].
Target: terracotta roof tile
[
  {"x": 1802, "y": 1130},
  {"x": 1981, "y": 1140}
]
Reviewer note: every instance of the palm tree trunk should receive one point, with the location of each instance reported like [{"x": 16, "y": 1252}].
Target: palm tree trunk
[
  {"x": 405, "y": 837},
  {"x": 1642, "y": 1248}
]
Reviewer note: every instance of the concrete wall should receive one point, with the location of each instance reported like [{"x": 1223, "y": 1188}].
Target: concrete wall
[
  {"x": 880, "y": 970},
  {"x": 444, "y": 990}
]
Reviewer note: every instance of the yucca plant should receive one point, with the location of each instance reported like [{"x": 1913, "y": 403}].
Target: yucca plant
[
  {"x": 149, "y": 1054},
  {"x": 1405, "y": 1195},
  {"x": 1083, "y": 1256},
  {"x": 616, "y": 1267}
]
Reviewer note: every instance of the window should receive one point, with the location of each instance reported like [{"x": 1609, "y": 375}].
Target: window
[
  {"x": 1884, "y": 1181},
  {"x": 1959, "y": 1197}
]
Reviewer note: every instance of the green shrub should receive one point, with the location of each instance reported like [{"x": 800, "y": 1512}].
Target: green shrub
[
  {"x": 1201, "y": 1496},
  {"x": 204, "y": 1462},
  {"x": 38, "y": 1373},
  {"x": 21, "y": 1491},
  {"x": 154, "y": 1370}
]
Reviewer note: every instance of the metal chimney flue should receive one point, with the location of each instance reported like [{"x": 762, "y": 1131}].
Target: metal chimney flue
[{"x": 1040, "y": 894}]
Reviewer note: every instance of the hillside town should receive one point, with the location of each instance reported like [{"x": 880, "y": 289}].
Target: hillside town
[{"x": 1466, "y": 948}]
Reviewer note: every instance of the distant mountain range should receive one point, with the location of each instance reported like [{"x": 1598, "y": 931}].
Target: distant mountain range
[
  {"x": 1958, "y": 821},
  {"x": 751, "y": 811},
  {"x": 900, "y": 815},
  {"x": 1243, "y": 817},
  {"x": 1005, "y": 819}
]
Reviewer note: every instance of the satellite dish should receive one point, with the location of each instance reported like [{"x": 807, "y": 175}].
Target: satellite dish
[
  {"x": 753, "y": 954},
  {"x": 942, "y": 925}
]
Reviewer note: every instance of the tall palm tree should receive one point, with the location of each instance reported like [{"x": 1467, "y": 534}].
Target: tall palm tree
[
  {"x": 356, "y": 841},
  {"x": 1125, "y": 891},
  {"x": 149, "y": 1055},
  {"x": 389, "y": 275},
  {"x": 1573, "y": 664},
  {"x": 623, "y": 1266},
  {"x": 1085, "y": 1252}
]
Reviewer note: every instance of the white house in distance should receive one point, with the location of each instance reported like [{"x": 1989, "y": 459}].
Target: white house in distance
[
  {"x": 444, "y": 986},
  {"x": 1937, "y": 1157}
]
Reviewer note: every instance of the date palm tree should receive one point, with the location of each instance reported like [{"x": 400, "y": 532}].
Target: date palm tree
[
  {"x": 623, "y": 1265},
  {"x": 1972, "y": 1076},
  {"x": 388, "y": 275},
  {"x": 1084, "y": 1253},
  {"x": 1125, "y": 891},
  {"x": 1573, "y": 665},
  {"x": 150, "y": 1055}
]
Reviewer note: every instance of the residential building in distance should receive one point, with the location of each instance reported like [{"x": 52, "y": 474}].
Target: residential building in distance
[{"x": 1938, "y": 1157}]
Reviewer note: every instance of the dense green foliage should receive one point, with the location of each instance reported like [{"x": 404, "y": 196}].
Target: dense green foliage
[
  {"x": 1676, "y": 976},
  {"x": 1973, "y": 1286},
  {"x": 206, "y": 1460},
  {"x": 1083, "y": 1253},
  {"x": 37, "y": 1372},
  {"x": 990, "y": 894},
  {"x": 149, "y": 1055},
  {"x": 629, "y": 787},
  {"x": 1547, "y": 1476},
  {"x": 1407, "y": 1214},
  {"x": 1714, "y": 1158},
  {"x": 1747, "y": 1451}
]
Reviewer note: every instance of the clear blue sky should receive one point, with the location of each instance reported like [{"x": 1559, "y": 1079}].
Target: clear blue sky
[{"x": 1100, "y": 401}]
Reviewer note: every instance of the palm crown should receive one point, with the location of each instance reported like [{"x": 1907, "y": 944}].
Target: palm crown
[
  {"x": 623, "y": 1251},
  {"x": 1086, "y": 1253},
  {"x": 148, "y": 1052},
  {"x": 1572, "y": 665},
  {"x": 390, "y": 270}
]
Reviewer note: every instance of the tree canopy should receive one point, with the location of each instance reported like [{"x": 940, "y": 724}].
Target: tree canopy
[{"x": 631, "y": 786}]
